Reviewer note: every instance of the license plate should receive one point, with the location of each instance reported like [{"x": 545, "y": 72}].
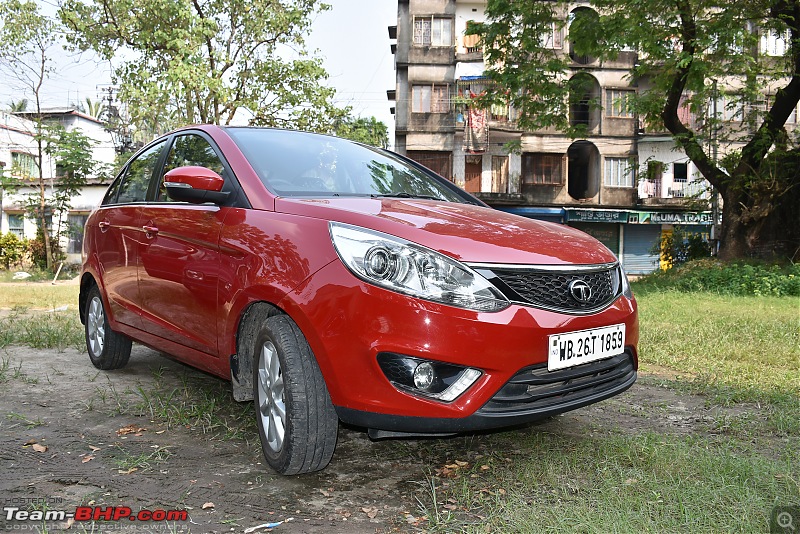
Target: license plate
[{"x": 575, "y": 348}]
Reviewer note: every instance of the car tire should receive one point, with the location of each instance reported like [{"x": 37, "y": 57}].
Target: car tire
[
  {"x": 297, "y": 422},
  {"x": 107, "y": 349}
]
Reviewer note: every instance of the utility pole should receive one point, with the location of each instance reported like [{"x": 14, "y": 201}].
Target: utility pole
[{"x": 714, "y": 192}]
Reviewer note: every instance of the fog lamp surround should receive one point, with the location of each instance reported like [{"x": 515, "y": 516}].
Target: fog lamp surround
[{"x": 427, "y": 378}]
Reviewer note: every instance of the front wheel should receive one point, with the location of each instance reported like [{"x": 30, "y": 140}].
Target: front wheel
[
  {"x": 107, "y": 349},
  {"x": 296, "y": 419}
]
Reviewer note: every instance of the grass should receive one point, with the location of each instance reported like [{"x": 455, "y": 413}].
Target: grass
[
  {"x": 48, "y": 330},
  {"x": 207, "y": 406},
  {"x": 39, "y": 296},
  {"x": 27, "y": 316},
  {"x": 613, "y": 483},
  {"x": 143, "y": 461},
  {"x": 733, "y": 350}
]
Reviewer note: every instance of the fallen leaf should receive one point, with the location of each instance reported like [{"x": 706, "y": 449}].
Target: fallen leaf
[
  {"x": 630, "y": 481},
  {"x": 207, "y": 505},
  {"x": 39, "y": 448},
  {"x": 30, "y": 442},
  {"x": 450, "y": 507},
  {"x": 130, "y": 429},
  {"x": 127, "y": 471},
  {"x": 459, "y": 463},
  {"x": 325, "y": 493},
  {"x": 87, "y": 459},
  {"x": 484, "y": 468},
  {"x": 160, "y": 431},
  {"x": 371, "y": 512},
  {"x": 93, "y": 448}
]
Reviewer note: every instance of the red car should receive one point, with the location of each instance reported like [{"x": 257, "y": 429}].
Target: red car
[{"x": 332, "y": 281}]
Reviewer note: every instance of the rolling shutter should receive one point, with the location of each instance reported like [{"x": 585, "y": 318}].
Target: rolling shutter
[{"x": 636, "y": 255}]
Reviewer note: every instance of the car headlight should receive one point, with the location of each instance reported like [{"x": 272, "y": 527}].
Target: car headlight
[
  {"x": 412, "y": 269},
  {"x": 625, "y": 285}
]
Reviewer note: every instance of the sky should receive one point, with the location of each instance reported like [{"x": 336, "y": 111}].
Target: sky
[{"x": 351, "y": 38}]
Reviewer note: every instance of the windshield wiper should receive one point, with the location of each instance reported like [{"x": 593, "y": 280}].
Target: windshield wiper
[{"x": 403, "y": 194}]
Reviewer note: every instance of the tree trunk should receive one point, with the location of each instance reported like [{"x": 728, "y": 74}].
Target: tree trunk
[
  {"x": 733, "y": 233},
  {"x": 48, "y": 249}
]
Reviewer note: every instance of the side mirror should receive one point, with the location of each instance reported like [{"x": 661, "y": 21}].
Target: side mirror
[{"x": 195, "y": 184}]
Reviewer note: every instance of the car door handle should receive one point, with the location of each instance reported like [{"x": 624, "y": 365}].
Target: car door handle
[
  {"x": 104, "y": 225},
  {"x": 150, "y": 231}
]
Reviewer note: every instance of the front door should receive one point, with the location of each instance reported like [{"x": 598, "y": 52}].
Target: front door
[
  {"x": 473, "y": 169},
  {"x": 180, "y": 257}
]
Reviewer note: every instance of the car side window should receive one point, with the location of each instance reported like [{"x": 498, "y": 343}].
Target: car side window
[
  {"x": 111, "y": 195},
  {"x": 186, "y": 150},
  {"x": 140, "y": 172}
]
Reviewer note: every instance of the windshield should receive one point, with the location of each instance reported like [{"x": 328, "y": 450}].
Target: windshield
[{"x": 299, "y": 164}]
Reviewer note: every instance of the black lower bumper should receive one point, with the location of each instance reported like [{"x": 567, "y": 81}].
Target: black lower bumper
[{"x": 533, "y": 393}]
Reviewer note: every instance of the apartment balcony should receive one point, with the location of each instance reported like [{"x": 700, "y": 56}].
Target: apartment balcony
[{"x": 663, "y": 193}]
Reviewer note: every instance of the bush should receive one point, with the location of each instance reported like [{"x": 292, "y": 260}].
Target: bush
[
  {"x": 680, "y": 246},
  {"x": 38, "y": 251},
  {"x": 12, "y": 250},
  {"x": 737, "y": 278}
]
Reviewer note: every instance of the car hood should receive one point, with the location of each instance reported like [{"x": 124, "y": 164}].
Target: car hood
[{"x": 462, "y": 231}]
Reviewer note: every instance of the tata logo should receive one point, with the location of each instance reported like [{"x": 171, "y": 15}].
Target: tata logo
[{"x": 580, "y": 291}]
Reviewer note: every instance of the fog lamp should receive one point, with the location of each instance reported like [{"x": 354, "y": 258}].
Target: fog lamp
[
  {"x": 424, "y": 375},
  {"x": 428, "y": 378}
]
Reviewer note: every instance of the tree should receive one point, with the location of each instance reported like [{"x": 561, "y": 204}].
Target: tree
[
  {"x": 27, "y": 41},
  {"x": 690, "y": 53},
  {"x": 94, "y": 108},
  {"x": 208, "y": 60},
  {"x": 369, "y": 131},
  {"x": 16, "y": 106}
]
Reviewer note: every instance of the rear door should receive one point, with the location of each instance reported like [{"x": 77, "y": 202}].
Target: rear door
[
  {"x": 180, "y": 257},
  {"x": 115, "y": 233}
]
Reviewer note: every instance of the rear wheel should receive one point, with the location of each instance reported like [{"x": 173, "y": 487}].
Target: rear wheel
[
  {"x": 107, "y": 349},
  {"x": 296, "y": 419}
]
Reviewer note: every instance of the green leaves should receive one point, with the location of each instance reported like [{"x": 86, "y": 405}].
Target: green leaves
[{"x": 208, "y": 61}]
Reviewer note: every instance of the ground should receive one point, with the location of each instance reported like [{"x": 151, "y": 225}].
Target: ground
[{"x": 158, "y": 434}]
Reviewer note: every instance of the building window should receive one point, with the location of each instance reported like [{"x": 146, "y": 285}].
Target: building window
[
  {"x": 775, "y": 44},
  {"x": 430, "y": 99},
  {"x": 619, "y": 103},
  {"x": 554, "y": 38},
  {"x": 679, "y": 172},
  {"x": 439, "y": 162},
  {"x": 728, "y": 108},
  {"x": 619, "y": 172},
  {"x": 499, "y": 174},
  {"x": 542, "y": 169},
  {"x": 16, "y": 224},
  {"x": 433, "y": 31},
  {"x": 23, "y": 165},
  {"x": 472, "y": 43},
  {"x": 75, "y": 224}
]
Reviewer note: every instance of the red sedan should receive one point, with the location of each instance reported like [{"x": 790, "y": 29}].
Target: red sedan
[{"x": 334, "y": 281}]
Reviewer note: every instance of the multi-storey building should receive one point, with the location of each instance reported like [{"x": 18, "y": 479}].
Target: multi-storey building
[{"x": 622, "y": 184}]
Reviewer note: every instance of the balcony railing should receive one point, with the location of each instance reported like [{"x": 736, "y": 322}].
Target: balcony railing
[{"x": 657, "y": 189}]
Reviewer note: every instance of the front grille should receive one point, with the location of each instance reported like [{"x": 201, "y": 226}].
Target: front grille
[
  {"x": 551, "y": 288},
  {"x": 536, "y": 390}
]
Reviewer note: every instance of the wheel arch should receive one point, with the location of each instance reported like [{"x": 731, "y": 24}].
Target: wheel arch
[
  {"x": 241, "y": 362},
  {"x": 87, "y": 283}
]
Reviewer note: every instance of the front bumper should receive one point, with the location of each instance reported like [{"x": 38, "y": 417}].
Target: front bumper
[
  {"x": 348, "y": 323},
  {"x": 533, "y": 393}
]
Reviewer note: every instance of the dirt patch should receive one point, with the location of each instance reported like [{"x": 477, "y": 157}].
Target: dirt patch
[{"x": 158, "y": 434}]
